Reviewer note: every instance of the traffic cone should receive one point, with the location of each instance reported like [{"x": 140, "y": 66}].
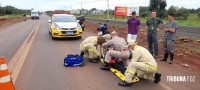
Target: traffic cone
[{"x": 5, "y": 79}]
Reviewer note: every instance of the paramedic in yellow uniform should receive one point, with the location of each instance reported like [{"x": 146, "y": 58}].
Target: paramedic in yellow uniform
[{"x": 142, "y": 65}]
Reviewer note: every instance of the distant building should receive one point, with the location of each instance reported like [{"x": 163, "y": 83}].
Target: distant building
[{"x": 96, "y": 12}]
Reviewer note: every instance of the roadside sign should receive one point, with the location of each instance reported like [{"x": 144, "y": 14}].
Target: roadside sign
[
  {"x": 126, "y": 11},
  {"x": 120, "y": 11},
  {"x": 131, "y": 9}
]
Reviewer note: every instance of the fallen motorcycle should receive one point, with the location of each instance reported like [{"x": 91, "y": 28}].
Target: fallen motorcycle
[{"x": 103, "y": 28}]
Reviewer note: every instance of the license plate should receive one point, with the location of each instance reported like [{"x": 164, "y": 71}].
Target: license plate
[{"x": 69, "y": 33}]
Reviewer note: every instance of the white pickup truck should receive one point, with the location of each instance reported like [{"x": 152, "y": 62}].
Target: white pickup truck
[{"x": 35, "y": 15}]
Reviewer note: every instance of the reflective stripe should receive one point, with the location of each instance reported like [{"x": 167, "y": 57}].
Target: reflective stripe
[
  {"x": 131, "y": 72},
  {"x": 154, "y": 68},
  {"x": 145, "y": 76},
  {"x": 90, "y": 49},
  {"x": 5, "y": 79},
  {"x": 136, "y": 79},
  {"x": 81, "y": 45},
  {"x": 3, "y": 67}
]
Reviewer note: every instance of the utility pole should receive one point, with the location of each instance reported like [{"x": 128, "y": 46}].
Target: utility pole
[
  {"x": 108, "y": 10},
  {"x": 81, "y": 8}
]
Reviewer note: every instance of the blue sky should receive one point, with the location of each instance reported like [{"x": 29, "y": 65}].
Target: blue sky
[{"x": 44, "y": 5}]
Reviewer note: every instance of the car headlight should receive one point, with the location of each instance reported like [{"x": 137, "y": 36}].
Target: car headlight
[
  {"x": 56, "y": 27},
  {"x": 78, "y": 26}
]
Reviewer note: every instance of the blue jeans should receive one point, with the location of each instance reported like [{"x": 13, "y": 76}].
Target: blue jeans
[{"x": 153, "y": 42}]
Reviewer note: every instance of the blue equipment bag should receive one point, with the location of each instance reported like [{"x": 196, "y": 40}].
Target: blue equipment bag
[{"x": 73, "y": 60}]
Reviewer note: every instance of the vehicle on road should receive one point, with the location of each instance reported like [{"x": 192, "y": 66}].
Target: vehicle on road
[
  {"x": 35, "y": 15},
  {"x": 103, "y": 28},
  {"x": 64, "y": 26}
]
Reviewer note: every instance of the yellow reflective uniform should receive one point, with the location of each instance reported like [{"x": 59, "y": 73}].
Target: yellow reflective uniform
[
  {"x": 89, "y": 46},
  {"x": 142, "y": 64}
]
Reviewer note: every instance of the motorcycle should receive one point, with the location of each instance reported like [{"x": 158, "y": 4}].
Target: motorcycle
[
  {"x": 103, "y": 28},
  {"x": 81, "y": 19}
]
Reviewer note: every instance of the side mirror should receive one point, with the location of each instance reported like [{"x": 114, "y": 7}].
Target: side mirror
[
  {"x": 78, "y": 20},
  {"x": 49, "y": 21}
]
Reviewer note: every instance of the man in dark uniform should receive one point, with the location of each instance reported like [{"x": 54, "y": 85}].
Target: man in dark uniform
[
  {"x": 169, "y": 38},
  {"x": 152, "y": 27}
]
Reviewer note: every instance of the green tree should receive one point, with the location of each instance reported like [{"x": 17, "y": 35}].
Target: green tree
[
  {"x": 199, "y": 15},
  {"x": 159, "y": 6},
  {"x": 153, "y": 5},
  {"x": 172, "y": 10},
  {"x": 183, "y": 12},
  {"x": 144, "y": 11}
]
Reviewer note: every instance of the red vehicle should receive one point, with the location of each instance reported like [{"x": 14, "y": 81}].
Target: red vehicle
[{"x": 60, "y": 12}]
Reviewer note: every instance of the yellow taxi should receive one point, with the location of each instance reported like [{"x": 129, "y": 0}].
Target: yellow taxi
[{"x": 64, "y": 26}]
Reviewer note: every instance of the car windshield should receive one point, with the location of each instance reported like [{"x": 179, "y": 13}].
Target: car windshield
[
  {"x": 64, "y": 19},
  {"x": 34, "y": 12}
]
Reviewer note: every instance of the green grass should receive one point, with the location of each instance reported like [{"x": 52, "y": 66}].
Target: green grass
[
  {"x": 193, "y": 20},
  {"x": 11, "y": 16}
]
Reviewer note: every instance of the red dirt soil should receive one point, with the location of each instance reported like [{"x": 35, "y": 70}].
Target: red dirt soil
[
  {"x": 184, "y": 47},
  {"x": 7, "y": 21}
]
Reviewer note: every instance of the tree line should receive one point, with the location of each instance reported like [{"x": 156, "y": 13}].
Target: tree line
[
  {"x": 160, "y": 6},
  {"x": 8, "y": 10}
]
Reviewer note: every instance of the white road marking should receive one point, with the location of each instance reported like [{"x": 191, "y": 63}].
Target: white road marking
[{"x": 18, "y": 59}]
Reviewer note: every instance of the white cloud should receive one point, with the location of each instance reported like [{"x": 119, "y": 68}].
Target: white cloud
[{"x": 88, "y": 4}]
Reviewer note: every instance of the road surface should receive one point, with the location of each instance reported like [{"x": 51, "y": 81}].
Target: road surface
[{"x": 43, "y": 66}]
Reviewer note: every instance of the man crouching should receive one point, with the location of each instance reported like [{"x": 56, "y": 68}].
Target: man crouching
[{"x": 142, "y": 65}]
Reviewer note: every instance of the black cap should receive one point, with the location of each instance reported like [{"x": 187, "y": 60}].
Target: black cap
[{"x": 133, "y": 13}]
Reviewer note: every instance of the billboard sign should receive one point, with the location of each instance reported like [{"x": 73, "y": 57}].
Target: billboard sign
[{"x": 126, "y": 11}]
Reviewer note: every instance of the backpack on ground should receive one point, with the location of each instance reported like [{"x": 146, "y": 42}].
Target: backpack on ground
[{"x": 73, "y": 60}]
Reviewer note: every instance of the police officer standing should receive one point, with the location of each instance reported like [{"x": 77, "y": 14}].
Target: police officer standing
[
  {"x": 169, "y": 38},
  {"x": 152, "y": 27}
]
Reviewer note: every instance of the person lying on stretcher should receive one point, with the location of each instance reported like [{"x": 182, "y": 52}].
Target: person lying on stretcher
[
  {"x": 117, "y": 48},
  {"x": 115, "y": 62}
]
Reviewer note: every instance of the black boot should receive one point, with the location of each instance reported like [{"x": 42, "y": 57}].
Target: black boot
[
  {"x": 157, "y": 77},
  {"x": 165, "y": 57},
  {"x": 81, "y": 54},
  {"x": 124, "y": 84},
  {"x": 171, "y": 58},
  {"x": 93, "y": 60},
  {"x": 105, "y": 67}
]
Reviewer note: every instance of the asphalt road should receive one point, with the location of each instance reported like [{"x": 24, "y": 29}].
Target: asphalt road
[
  {"x": 193, "y": 32},
  {"x": 43, "y": 67},
  {"x": 12, "y": 37}
]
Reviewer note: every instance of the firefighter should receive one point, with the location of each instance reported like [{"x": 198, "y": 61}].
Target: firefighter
[
  {"x": 117, "y": 49},
  {"x": 142, "y": 65},
  {"x": 89, "y": 46}
]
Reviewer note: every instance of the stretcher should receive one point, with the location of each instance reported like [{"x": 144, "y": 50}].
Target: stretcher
[{"x": 118, "y": 73}]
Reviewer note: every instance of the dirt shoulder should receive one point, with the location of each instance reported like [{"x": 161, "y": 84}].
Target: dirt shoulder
[
  {"x": 8, "y": 21},
  {"x": 187, "y": 51}
]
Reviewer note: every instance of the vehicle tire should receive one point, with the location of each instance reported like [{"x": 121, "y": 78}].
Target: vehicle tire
[{"x": 53, "y": 38}]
